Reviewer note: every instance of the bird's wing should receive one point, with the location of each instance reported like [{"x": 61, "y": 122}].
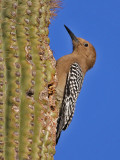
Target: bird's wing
[{"x": 73, "y": 86}]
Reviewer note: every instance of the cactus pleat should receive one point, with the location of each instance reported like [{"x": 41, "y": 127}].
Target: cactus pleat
[
  {"x": 27, "y": 75},
  {"x": 2, "y": 92},
  {"x": 28, "y": 113},
  {"x": 12, "y": 79}
]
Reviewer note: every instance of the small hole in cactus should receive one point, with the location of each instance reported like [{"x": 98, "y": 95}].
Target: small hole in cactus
[
  {"x": 30, "y": 93},
  {"x": 52, "y": 108},
  {"x": 50, "y": 90},
  {"x": 49, "y": 85}
]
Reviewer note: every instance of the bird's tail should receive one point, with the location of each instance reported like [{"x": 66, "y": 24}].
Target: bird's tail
[{"x": 57, "y": 138}]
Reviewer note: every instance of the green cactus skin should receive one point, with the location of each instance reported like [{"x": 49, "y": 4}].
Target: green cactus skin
[
  {"x": 2, "y": 92},
  {"x": 12, "y": 104},
  {"x": 28, "y": 111}
]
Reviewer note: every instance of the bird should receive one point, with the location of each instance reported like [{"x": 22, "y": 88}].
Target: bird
[{"x": 71, "y": 70}]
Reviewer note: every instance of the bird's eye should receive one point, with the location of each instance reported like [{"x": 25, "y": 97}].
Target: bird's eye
[{"x": 86, "y": 44}]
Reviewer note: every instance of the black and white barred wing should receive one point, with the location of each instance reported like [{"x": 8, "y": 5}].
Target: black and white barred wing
[{"x": 72, "y": 89}]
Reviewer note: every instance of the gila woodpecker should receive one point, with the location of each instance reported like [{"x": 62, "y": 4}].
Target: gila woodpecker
[{"x": 71, "y": 70}]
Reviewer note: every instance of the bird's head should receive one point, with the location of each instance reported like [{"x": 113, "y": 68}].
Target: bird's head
[{"x": 83, "y": 48}]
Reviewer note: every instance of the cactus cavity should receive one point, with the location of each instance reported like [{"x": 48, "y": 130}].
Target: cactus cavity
[{"x": 28, "y": 113}]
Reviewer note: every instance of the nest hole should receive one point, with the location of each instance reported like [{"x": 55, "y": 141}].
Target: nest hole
[{"x": 52, "y": 108}]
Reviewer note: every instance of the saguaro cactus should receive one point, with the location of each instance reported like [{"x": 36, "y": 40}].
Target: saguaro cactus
[{"x": 28, "y": 113}]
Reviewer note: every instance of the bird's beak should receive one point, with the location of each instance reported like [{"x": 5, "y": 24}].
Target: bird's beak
[{"x": 73, "y": 37}]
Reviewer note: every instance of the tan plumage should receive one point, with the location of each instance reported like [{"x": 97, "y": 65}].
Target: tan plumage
[{"x": 83, "y": 54}]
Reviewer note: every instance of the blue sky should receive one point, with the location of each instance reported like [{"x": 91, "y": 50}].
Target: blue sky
[{"x": 94, "y": 133}]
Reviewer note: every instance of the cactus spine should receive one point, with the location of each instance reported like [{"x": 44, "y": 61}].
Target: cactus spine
[{"x": 28, "y": 113}]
